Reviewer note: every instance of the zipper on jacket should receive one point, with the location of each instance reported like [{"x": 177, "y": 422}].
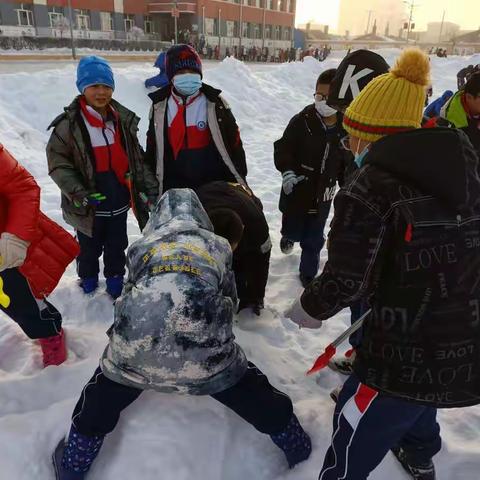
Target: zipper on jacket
[
  {"x": 109, "y": 151},
  {"x": 185, "y": 106}
]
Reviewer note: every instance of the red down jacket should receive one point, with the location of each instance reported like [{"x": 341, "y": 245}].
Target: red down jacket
[{"x": 51, "y": 247}]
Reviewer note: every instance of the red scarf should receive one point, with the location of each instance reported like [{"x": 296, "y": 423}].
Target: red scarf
[
  {"x": 178, "y": 129},
  {"x": 109, "y": 153}
]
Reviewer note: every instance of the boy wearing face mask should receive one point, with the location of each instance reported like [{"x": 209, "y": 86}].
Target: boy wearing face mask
[
  {"x": 193, "y": 138},
  {"x": 311, "y": 161}
]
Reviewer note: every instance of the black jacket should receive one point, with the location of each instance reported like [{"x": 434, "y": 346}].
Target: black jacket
[
  {"x": 251, "y": 259},
  {"x": 309, "y": 149},
  {"x": 248, "y": 207},
  {"x": 225, "y": 136},
  {"x": 406, "y": 236}
]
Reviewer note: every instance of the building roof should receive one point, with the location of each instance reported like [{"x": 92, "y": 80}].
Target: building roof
[
  {"x": 371, "y": 37},
  {"x": 472, "y": 37}
]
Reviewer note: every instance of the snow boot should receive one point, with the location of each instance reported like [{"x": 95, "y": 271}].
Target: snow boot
[
  {"x": 286, "y": 245},
  {"x": 305, "y": 280},
  {"x": 294, "y": 442},
  {"x": 256, "y": 307},
  {"x": 89, "y": 284},
  {"x": 343, "y": 365},
  {"x": 72, "y": 459},
  {"x": 115, "y": 286},
  {"x": 54, "y": 349},
  {"x": 417, "y": 472}
]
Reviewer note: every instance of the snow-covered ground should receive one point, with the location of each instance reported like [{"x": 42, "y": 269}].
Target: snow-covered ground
[{"x": 163, "y": 436}]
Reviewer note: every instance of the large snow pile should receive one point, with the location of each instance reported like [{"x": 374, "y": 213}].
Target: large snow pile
[{"x": 181, "y": 438}]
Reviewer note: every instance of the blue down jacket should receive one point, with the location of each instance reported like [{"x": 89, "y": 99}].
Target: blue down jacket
[{"x": 173, "y": 323}]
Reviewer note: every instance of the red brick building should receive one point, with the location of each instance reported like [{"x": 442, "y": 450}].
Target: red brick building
[{"x": 260, "y": 23}]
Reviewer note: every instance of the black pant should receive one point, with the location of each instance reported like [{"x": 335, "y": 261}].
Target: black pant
[
  {"x": 252, "y": 398},
  {"x": 110, "y": 237},
  {"x": 251, "y": 275},
  {"x": 38, "y": 319}
]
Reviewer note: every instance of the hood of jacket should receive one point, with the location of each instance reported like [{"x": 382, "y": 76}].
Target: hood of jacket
[
  {"x": 439, "y": 162},
  {"x": 178, "y": 205}
]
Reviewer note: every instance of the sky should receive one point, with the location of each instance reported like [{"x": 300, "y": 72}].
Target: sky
[{"x": 464, "y": 12}]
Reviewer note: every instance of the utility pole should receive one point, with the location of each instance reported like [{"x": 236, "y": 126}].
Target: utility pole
[
  {"x": 240, "y": 33},
  {"x": 368, "y": 23},
  {"x": 441, "y": 28},
  {"x": 70, "y": 21},
  {"x": 412, "y": 6},
  {"x": 219, "y": 30},
  {"x": 176, "y": 22},
  {"x": 263, "y": 27}
]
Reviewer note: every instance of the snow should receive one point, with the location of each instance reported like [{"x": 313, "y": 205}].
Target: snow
[{"x": 167, "y": 436}]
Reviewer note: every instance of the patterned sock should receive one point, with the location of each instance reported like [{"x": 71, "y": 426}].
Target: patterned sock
[
  {"x": 80, "y": 451},
  {"x": 294, "y": 442}
]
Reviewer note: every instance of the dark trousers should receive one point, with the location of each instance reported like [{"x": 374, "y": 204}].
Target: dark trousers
[
  {"x": 110, "y": 238},
  {"x": 252, "y": 398},
  {"x": 308, "y": 230},
  {"x": 38, "y": 319},
  {"x": 251, "y": 275},
  {"x": 367, "y": 425}
]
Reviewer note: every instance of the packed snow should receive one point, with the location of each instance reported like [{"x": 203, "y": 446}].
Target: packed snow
[{"x": 171, "y": 437}]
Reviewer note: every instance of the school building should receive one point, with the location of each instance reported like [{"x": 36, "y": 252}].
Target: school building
[{"x": 260, "y": 23}]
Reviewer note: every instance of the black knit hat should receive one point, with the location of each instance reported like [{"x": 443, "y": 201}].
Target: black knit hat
[
  {"x": 353, "y": 74},
  {"x": 180, "y": 57}
]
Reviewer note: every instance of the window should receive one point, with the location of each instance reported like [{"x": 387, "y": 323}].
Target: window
[
  {"x": 209, "y": 26},
  {"x": 230, "y": 28},
  {"x": 269, "y": 4},
  {"x": 256, "y": 30},
  {"x": 148, "y": 24},
  {"x": 268, "y": 31},
  {"x": 55, "y": 15},
  {"x": 83, "y": 19},
  {"x": 129, "y": 22},
  {"x": 106, "y": 22},
  {"x": 276, "y": 32},
  {"x": 25, "y": 16},
  {"x": 245, "y": 29}
]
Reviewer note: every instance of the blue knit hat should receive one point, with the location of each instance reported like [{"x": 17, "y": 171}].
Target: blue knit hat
[
  {"x": 180, "y": 57},
  {"x": 94, "y": 71}
]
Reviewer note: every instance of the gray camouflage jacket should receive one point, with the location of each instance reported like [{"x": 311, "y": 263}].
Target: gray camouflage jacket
[{"x": 173, "y": 323}]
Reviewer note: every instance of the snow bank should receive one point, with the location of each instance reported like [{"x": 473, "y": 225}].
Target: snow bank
[{"x": 170, "y": 437}]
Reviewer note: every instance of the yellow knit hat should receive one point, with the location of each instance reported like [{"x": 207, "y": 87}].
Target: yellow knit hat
[{"x": 393, "y": 102}]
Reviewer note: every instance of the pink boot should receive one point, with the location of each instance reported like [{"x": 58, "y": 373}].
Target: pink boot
[{"x": 54, "y": 349}]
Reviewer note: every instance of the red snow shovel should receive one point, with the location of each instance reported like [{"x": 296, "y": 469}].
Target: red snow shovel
[{"x": 331, "y": 350}]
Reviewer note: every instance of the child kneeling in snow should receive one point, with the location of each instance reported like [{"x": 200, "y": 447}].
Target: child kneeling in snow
[{"x": 173, "y": 333}]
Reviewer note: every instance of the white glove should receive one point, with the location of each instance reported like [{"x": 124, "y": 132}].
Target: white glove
[
  {"x": 298, "y": 315},
  {"x": 13, "y": 251},
  {"x": 290, "y": 180}
]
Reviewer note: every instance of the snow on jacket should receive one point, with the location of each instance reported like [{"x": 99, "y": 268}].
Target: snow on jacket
[
  {"x": 309, "y": 149},
  {"x": 229, "y": 155},
  {"x": 71, "y": 164},
  {"x": 173, "y": 323},
  {"x": 406, "y": 237},
  {"x": 51, "y": 248}
]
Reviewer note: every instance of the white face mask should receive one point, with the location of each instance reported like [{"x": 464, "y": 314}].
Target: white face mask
[{"x": 323, "y": 109}]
